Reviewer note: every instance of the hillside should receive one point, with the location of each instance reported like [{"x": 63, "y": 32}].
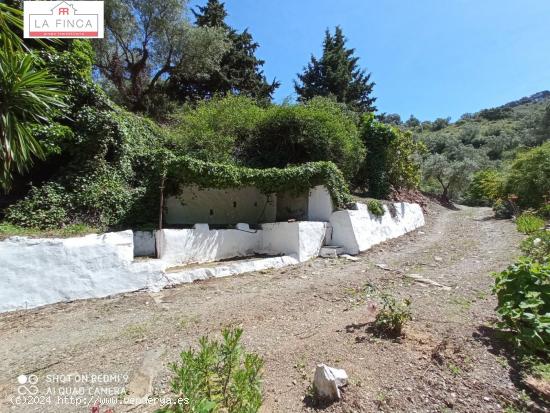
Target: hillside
[
  {"x": 499, "y": 131},
  {"x": 488, "y": 139}
]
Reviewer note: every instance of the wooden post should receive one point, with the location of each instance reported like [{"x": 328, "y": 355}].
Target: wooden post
[{"x": 161, "y": 201}]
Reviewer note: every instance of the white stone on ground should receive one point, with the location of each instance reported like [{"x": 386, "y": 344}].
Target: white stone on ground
[{"x": 327, "y": 382}]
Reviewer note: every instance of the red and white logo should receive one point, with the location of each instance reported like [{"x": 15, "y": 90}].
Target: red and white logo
[{"x": 63, "y": 19}]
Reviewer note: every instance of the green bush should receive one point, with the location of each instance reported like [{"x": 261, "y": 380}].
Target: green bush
[
  {"x": 375, "y": 207},
  {"x": 236, "y": 130},
  {"x": 485, "y": 187},
  {"x": 46, "y": 207},
  {"x": 544, "y": 211},
  {"x": 537, "y": 246},
  {"x": 529, "y": 177},
  {"x": 523, "y": 293},
  {"x": 392, "y": 158},
  {"x": 528, "y": 223},
  {"x": 218, "y": 377},
  {"x": 392, "y": 317},
  {"x": 217, "y": 130},
  {"x": 317, "y": 130}
]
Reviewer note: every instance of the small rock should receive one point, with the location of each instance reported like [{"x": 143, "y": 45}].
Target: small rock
[
  {"x": 349, "y": 257},
  {"x": 327, "y": 381},
  {"x": 438, "y": 258}
]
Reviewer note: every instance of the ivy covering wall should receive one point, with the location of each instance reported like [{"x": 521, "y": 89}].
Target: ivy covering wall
[{"x": 294, "y": 179}]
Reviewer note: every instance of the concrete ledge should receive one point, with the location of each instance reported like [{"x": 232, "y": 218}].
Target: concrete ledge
[{"x": 358, "y": 230}]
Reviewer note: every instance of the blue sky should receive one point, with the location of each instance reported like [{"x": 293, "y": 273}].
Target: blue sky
[{"x": 430, "y": 58}]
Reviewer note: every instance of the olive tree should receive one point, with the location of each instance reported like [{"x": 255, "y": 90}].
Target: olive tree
[{"x": 146, "y": 41}]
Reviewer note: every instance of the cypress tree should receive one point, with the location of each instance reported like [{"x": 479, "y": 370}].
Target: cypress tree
[{"x": 337, "y": 74}]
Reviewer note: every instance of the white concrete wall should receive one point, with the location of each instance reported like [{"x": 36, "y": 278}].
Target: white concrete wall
[
  {"x": 185, "y": 246},
  {"x": 36, "y": 272},
  {"x": 219, "y": 206},
  {"x": 358, "y": 230},
  {"x": 320, "y": 205},
  {"x": 301, "y": 239},
  {"x": 144, "y": 244}
]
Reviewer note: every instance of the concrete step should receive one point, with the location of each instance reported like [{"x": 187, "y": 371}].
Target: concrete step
[{"x": 331, "y": 251}]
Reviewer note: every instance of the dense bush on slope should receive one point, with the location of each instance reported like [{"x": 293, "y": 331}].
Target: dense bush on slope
[
  {"x": 237, "y": 130},
  {"x": 102, "y": 159}
]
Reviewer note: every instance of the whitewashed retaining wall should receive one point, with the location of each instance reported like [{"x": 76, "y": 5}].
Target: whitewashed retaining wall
[
  {"x": 183, "y": 246},
  {"x": 36, "y": 272},
  {"x": 220, "y": 206},
  {"x": 320, "y": 205},
  {"x": 144, "y": 244},
  {"x": 358, "y": 230},
  {"x": 302, "y": 239}
]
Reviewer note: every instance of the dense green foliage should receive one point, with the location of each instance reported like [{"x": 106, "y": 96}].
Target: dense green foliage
[
  {"x": 489, "y": 139},
  {"x": 337, "y": 74},
  {"x": 375, "y": 207},
  {"x": 102, "y": 162},
  {"x": 392, "y": 317},
  {"x": 391, "y": 158},
  {"x": 528, "y": 223},
  {"x": 147, "y": 42},
  {"x": 239, "y": 71},
  {"x": 28, "y": 94},
  {"x": 237, "y": 130},
  {"x": 529, "y": 177},
  {"x": 537, "y": 246},
  {"x": 523, "y": 292},
  {"x": 294, "y": 179},
  {"x": 218, "y": 377},
  {"x": 485, "y": 187}
]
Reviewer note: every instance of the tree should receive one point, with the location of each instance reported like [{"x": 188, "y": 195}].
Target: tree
[
  {"x": 389, "y": 118},
  {"x": 28, "y": 95},
  {"x": 391, "y": 158},
  {"x": 337, "y": 73},
  {"x": 529, "y": 177},
  {"x": 239, "y": 72},
  {"x": 451, "y": 164},
  {"x": 543, "y": 129},
  {"x": 146, "y": 42},
  {"x": 412, "y": 122}
]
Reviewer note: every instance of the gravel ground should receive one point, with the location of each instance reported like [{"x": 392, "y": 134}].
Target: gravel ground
[{"x": 450, "y": 359}]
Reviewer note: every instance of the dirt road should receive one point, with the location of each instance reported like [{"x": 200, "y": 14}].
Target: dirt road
[{"x": 296, "y": 317}]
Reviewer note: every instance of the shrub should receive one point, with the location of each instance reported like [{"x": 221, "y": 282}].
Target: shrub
[
  {"x": 317, "y": 130},
  {"x": 375, "y": 207},
  {"x": 503, "y": 209},
  {"x": 544, "y": 211},
  {"x": 391, "y": 319},
  {"x": 237, "y": 130},
  {"x": 218, "y": 129},
  {"x": 529, "y": 177},
  {"x": 485, "y": 187},
  {"x": 537, "y": 246},
  {"x": 523, "y": 293},
  {"x": 218, "y": 377},
  {"x": 46, "y": 207},
  {"x": 391, "y": 159},
  {"x": 528, "y": 223}
]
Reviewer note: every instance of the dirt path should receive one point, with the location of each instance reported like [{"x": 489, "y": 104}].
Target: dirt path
[{"x": 295, "y": 318}]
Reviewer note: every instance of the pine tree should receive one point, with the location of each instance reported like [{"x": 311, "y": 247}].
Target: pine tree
[
  {"x": 337, "y": 73},
  {"x": 240, "y": 70}
]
